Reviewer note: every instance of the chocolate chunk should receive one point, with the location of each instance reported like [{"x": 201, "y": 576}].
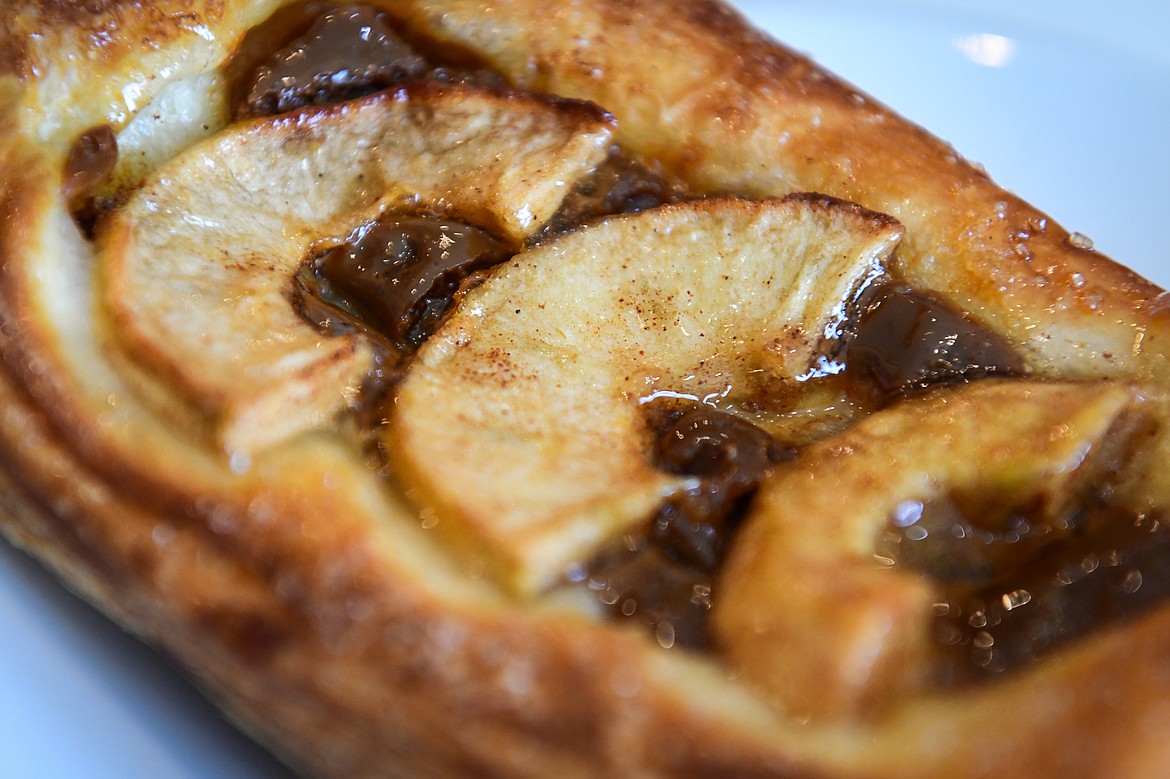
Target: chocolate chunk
[
  {"x": 939, "y": 538},
  {"x": 396, "y": 277},
  {"x": 646, "y": 585},
  {"x": 664, "y": 577},
  {"x": 620, "y": 185},
  {"x": 346, "y": 53},
  {"x": 1114, "y": 567},
  {"x": 730, "y": 456},
  {"x": 907, "y": 340}
]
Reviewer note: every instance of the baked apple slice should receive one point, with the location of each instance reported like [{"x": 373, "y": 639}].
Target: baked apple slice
[
  {"x": 519, "y": 428},
  {"x": 183, "y": 113},
  {"x": 828, "y": 614},
  {"x": 198, "y": 265}
]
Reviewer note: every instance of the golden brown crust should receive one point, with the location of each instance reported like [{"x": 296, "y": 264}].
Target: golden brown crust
[{"x": 300, "y": 590}]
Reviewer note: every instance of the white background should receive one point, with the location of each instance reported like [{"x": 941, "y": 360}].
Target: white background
[{"x": 1073, "y": 119}]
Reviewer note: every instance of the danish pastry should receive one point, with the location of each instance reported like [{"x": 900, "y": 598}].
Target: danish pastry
[{"x": 454, "y": 390}]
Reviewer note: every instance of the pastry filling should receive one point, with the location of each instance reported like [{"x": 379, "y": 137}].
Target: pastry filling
[
  {"x": 306, "y": 56},
  {"x": 664, "y": 576},
  {"x": 91, "y": 158},
  {"x": 908, "y": 340},
  {"x": 1106, "y": 567},
  {"x": 1032, "y": 584},
  {"x": 323, "y": 65},
  {"x": 394, "y": 279},
  {"x": 899, "y": 341},
  {"x": 620, "y": 185}
]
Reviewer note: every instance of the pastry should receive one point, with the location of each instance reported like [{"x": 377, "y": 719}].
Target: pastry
[{"x": 448, "y": 388}]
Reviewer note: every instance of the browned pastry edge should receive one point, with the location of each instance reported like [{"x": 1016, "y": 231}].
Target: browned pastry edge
[{"x": 264, "y": 615}]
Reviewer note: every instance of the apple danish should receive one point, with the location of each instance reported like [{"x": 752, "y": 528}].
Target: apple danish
[{"x": 454, "y": 390}]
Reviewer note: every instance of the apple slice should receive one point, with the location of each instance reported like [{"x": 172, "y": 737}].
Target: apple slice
[
  {"x": 198, "y": 264},
  {"x": 805, "y": 610},
  {"x": 518, "y": 428},
  {"x": 183, "y": 113}
]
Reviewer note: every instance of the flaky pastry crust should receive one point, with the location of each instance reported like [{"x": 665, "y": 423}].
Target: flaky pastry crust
[{"x": 298, "y": 587}]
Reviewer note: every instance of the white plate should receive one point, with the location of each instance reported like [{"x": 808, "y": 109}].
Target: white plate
[{"x": 1064, "y": 102}]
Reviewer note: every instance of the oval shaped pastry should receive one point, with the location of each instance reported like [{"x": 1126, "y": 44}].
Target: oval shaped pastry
[{"x": 420, "y": 564}]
